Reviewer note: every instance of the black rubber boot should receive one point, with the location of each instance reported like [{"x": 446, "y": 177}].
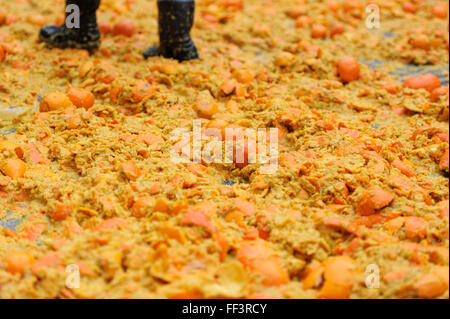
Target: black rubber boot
[
  {"x": 176, "y": 18},
  {"x": 86, "y": 37}
]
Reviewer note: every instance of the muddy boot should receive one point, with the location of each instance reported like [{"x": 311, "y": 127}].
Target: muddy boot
[
  {"x": 86, "y": 36},
  {"x": 176, "y": 18}
]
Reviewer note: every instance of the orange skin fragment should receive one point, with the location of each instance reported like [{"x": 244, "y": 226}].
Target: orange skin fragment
[
  {"x": 161, "y": 206},
  {"x": 333, "y": 5},
  {"x": 421, "y": 41},
  {"x": 415, "y": 228},
  {"x": 437, "y": 93},
  {"x": 81, "y": 98},
  {"x": 353, "y": 133},
  {"x": 339, "y": 277},
  {"x": 126, "y": 28},
  {"x": 35, "y": 156},
  {"x": 173, "y": 233},
  {"x": 319, "y": 31},
  {"x": 296, "y": 12},
  {"x": 151, "y": 139},
  {"x": 443, "y": 207},
  {"x": 437, "y": 254},
  {"x": 336, "y": 30},
  {"x": 219, "y": 125},
  {"x": 17, "y": 262},
  {"x": 303, "y": 21},
  {"x": 141, "y": 91},
  {"x": 353, "y": 7},
  {"x": 85, "y": 270},
  {"x": 236, "y": 5},
  {"x": 179, "y": 207},
  {"x": 4, "y": 180},
  {"x": 313, "y": 279},
  {"x": 228, "y": 87},
  {"x": 61, "y": 212},
  {"x": 434, "y": 284},
  {"x": 198, "y": 217},
  {"x": 73, "y": 121},
  {"x": 8, "y": 146},
  {"x": 348, "y": 69},
  {"x": 392, "y": 88},
  {"x": 197, "y": 169},
  {"x": 2, "y": 55},
  {"x": 428, "y": 81},
  {"x": 206, "y": 108},
  {"x": 112, "y": 223},
  {"x": 372, "y": 200},
  {"x": 247, "y": 208},
  {"x": 169, "y": 68},
  {"x": 114, "y": 92},
  {"x": 47, "y": 261},
  {"x": 395, "y": 224},
  {"x": 236, "y": 217},
  {"x": 404, "y": 167},
  {"x": 32, "y": 231},
  {"x": 260, "y": 257},
  {"x": 342, "y": 223},
  {"x": 244, "y": 76},
  {"x": 352, "y": 247},
  {"x": 370, "y": 220},
  {"x": 155, "y": 189},
  {"x": 394, "y": 275},
  {"x": 242, "y": 152},
  {"x": 54, "y": 101},
  {"x": 440, "y": 10},
  {"x": 14, "y": 168},
  {"x": 409, "y": 7},
  {"x": 130, "y": 170},
  {"x": 430, "y": 130},
  {"x": 104, "y": 27},
  {"x": 141, "y": 206}
]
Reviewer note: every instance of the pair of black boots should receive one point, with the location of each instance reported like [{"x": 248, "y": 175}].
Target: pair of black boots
[{"x": 176, "y": 18}]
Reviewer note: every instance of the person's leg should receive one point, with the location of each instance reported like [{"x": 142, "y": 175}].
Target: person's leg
[
  {"x": 176, "y": 18},
  {"x": 87, "y": 36}
]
